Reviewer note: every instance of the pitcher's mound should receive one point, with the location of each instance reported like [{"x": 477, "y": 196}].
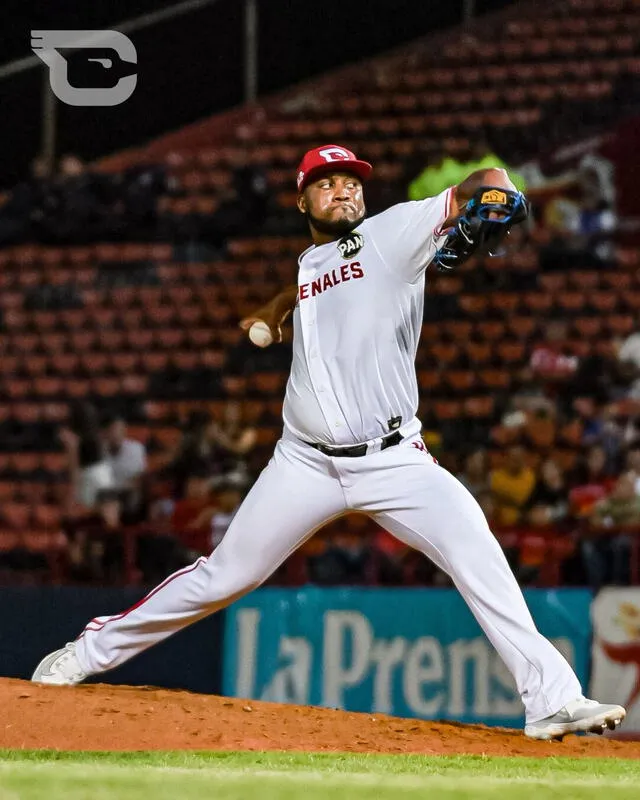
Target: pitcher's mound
[{"x": 102, "y": 717}]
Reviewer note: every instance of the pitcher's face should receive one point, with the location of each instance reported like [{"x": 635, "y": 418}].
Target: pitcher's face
[{"x": 333, "y": 204}]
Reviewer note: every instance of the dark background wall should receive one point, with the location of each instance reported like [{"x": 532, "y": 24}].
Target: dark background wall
[
  {"x": 36, "y": 621},
  {"x": 193, "y": 66}
]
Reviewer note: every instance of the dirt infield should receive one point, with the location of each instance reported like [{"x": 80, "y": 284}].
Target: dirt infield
[{"x": 102, "y": 717}]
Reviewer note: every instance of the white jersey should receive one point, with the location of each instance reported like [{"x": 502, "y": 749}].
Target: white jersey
[{"x": 357, "y": 323}]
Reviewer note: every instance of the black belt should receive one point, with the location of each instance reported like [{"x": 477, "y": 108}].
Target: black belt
[{"x": 356, "y": 450}]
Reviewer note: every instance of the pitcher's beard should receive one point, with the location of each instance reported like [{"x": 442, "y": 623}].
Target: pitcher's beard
[{"x": 337, "y": 228}]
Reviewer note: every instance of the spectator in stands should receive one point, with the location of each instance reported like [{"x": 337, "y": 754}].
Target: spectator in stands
[
  {"x": 22, "y": 214},
  {"x": 606, "y": 547},
  {"x": 488, "y": 506},
  {"x": 391, "y": 556},
  {"x": 632, "y": 464},
  {"x": 595, "y": 219},
  {"x": 549, "y": 503},
  {"x": 347, "y": 556},
  {"x": 481, "y": 157},
  {"x": 89, "y": 471},
  {"x": 218, "y": 447},
  {"x": 444, "y": 171},
  {"x": 592, "y": 469},
  {"x": 228, "y": 494},
  {"x": 587, "y": 412},
  {"x": 599, "y": 377},
  {"x": 192, "y": 514},
  {"x": 244, "y": 206},
  {"x": 591, "y": 481},
  {"x": 548, "y": 360},
  {"x": 629, "y": 360},
  {"x": 230, "y": 441},
  {"x": 128, "y": 461},
  {"x": 192, "y": 453},
  {"x": 137, "y": 192},
  {"x": 475, "y": 474},
  {"x": 251, "y": 190},
  {"x": 441, "y": 172},
  {"x": 511, "y": 486},
  {"x": 95, "y": 547},
  {"x": 80, "y": 213}
]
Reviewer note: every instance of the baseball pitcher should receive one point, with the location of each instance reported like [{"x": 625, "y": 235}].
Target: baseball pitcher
[{"x": 351, "y": 439}]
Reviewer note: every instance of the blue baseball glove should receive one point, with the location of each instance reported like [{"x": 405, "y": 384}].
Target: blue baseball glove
[{"x": 485, "y": 223}]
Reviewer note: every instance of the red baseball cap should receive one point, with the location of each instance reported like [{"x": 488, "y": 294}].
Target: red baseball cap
[{"x": 330, "y": 158}]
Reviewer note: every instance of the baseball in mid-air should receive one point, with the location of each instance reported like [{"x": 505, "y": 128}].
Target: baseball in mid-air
[{"x": 260, "y": 334}]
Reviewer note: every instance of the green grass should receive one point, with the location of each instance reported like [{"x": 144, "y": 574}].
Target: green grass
[{"x": 34, "y": 775}]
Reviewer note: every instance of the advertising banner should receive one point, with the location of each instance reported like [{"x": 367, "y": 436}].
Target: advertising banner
[
  {"x": 406, "y": 652},
  {"x": 615, "y": 671}
]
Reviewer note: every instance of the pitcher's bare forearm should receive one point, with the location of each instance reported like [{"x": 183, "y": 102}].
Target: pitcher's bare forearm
[{"x": 275, "y": 312}]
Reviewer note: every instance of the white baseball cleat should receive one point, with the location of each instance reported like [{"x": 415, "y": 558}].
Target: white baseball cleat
[
  {"x": 578, "y": 716},
  {"x": 60, "y": 668}
]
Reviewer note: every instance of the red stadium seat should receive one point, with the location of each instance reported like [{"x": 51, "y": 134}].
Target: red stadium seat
[
  {"x": 77, "y": 388},
  {"x": 617, "y": 281},
  {"x": 65, "y": 363},
  {"x": 460, "y": 381},
  {"x": 139, "y": 339},
  {"x": 35, "y": 365},
  {"x": 457, "y": 330},
  {"x": 155, "y": 361},
  {"x": 446, "y": 409},
  {"x": 584, "y": 279},
  {"x": 621, "y": 324},
  {"x": 110, "y": 340},
  {"x": 495, "y": 379},
  {"x": 17, "y": 388},
  {"x": 53, "y": 342},
  {"x": 158, "y": 411},
  {"x": 47, "y": 517},
  {"x": 571, "y": 302},
  {"x": 444, "y": 353},
  {"x": 522, "y": 327},
  {"x": 473, "y": 304},
  {"x": 8, "y": 491},
  {"x": 511, "y": 353},
  {"x": 505, "y": 302},
  {"x": 27, "y": 413},
  {"x": 105, "y": 386},
  {"x": 48, "y": 386},
  {"x": 82, "y": 340},
  {"x": 124, "y": 363},
  {"x": 185, "y": 359},
  {"x": 479, "y": 407},
  {"x": 587, "y": 327},
  {"x": 16, "y": 516},
  {"x": 10, "y": 540},
  {"x": 170, "y": 338},
  {"x": 54, "y": 462},
  {"x": 478, "y": 352},
  {"x": 491, "y": 330},
  {"x": 94, "y": 363},
  {"x": 538, "y": 302}
]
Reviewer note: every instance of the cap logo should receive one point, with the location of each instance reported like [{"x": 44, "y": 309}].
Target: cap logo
[{"x": 335, "y": 154}]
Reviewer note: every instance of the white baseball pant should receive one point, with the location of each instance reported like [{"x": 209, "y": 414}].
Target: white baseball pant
[{"x": 300, "y": 490}]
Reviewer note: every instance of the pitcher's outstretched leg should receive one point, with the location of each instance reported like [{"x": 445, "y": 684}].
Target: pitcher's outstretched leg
[{"x": 294, "y": 495}]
